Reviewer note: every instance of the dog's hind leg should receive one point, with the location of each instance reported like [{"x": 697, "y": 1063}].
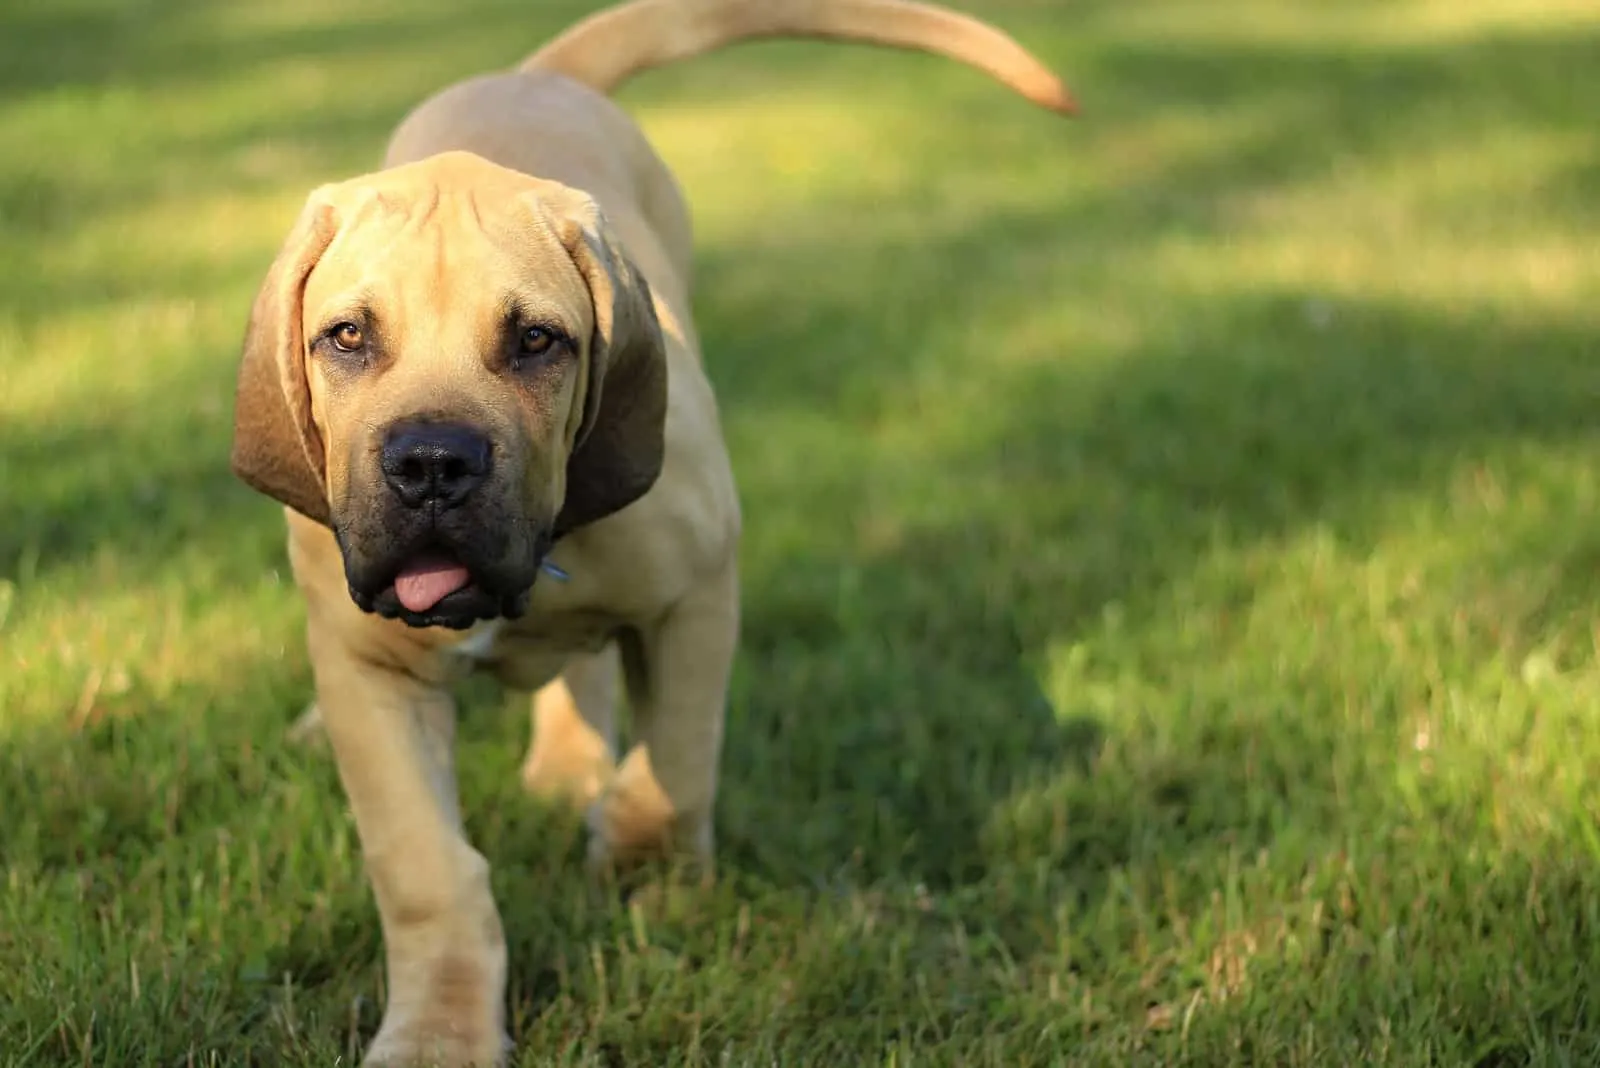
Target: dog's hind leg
[{"x": 572, "y": 755}]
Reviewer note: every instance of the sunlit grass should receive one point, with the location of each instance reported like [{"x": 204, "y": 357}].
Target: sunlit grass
[{"x": 1170, "y": 630}]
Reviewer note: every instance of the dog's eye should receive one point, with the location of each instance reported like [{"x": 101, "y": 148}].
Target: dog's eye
[
  {"x": 536, "y": 341},
  {"x": 346, "y": 337}
]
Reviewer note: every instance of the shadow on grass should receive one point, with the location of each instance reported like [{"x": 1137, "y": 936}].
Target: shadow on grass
[
  {"x": 194, "y": 42},
  {"x": 888, "y": 697},
  {"x": 1256, "y": 424},
  {"x": 1304, "y": 424}
]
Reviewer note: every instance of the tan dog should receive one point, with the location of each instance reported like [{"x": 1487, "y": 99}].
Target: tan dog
[{"x": 475, "y": 369}]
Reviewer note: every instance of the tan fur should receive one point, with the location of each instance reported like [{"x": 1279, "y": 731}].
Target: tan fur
[
  {"x": 611, "y": 46},
  {"x": 528, "y": 186}
]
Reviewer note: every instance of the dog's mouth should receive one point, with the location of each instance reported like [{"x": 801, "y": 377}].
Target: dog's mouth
[
  {"x": 433, "y": 590},
  {"x": 432, "y": 577}
]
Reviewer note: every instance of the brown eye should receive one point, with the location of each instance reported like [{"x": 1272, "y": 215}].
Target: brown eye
[
  {"x": 536, "y": 341},
  {"x": 347, "y": 337}
]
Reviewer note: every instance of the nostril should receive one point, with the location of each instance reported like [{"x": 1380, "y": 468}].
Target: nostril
[{"x": 412, "y": 469}]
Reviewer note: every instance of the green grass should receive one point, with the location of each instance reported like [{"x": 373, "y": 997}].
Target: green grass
[{"x": 1171, "y": 570}]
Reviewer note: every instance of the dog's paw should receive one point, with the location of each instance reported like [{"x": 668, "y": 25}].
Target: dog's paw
[
  {"x": 635, "y": 817},
  {"x": 452, "y": 1018},
  {"x": 635, "y": 825},
  {"x": 436, "y": 1051}
]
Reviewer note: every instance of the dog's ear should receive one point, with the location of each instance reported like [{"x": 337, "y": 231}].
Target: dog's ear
[
  {"x": 617, "y": 453},
  {"x": 276, "y": 447}
]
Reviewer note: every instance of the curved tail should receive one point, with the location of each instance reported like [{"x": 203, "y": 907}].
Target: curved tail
[{"x": 610, "y": 46}]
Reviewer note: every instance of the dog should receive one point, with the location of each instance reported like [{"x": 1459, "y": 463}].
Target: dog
[{"x": 472, "y": 381}]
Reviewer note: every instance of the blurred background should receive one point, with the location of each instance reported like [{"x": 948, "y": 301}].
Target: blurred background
[{"x": 1171, "y": 558}]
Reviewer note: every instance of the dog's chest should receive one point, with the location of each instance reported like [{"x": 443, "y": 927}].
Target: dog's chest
[{"x": 529, "y": 652}]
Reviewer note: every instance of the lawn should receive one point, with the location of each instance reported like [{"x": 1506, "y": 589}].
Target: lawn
[{"x": 1172, "y": 562}]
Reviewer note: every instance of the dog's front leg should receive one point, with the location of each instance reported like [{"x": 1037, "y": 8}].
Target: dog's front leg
[
  {"x": 392, "y": 737},
  {"x": 659, "y": 802}
]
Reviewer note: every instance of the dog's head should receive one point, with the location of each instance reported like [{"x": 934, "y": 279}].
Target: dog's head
[{"x": 451, "y": 365}]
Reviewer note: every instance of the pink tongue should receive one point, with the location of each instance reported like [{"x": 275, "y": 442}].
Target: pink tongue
[{"x": 425, "y": 583}]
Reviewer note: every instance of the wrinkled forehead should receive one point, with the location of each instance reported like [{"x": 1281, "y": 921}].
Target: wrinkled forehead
[{"x": 445, "y": 256}]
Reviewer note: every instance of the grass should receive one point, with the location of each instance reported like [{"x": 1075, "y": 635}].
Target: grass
[{"x": 1171, "y": 563}]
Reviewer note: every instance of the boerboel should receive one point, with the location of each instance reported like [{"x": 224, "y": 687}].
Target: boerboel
[{"x": 472, "y": 379}]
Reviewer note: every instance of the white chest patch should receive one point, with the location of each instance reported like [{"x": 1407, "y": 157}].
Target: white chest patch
[{"x": 479, "y": 644}]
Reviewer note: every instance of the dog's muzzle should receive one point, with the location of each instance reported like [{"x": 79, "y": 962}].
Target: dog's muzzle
[{"x": 437, "y": 547}]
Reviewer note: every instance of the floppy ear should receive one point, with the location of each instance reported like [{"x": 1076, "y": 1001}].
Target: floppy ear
[
  {"x": 276, "y": 448},
  {"x": 617, "y": 454}
]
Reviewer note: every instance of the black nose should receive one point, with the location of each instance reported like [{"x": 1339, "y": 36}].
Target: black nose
[{"x": 434, "y": 463}]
